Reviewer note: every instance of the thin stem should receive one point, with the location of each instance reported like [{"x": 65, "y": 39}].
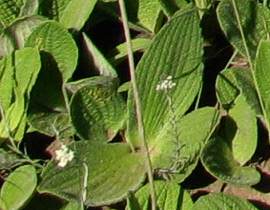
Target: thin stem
[
  {"x": 138, "y": 103},
  {"x": 265, "y": 2},
  {"x": 249, "y": 59}
]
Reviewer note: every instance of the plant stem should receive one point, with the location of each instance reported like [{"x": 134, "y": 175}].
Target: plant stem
[
  {"x": 249, "y": 61},
  {"x": 138, "y": 103}
]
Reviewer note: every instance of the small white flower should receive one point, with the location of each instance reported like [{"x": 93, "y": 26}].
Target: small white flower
[
  {"x": 165, "y": 84},
  {"x": 63, "y": 156}
]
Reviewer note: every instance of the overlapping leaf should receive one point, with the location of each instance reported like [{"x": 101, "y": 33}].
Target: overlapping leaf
[
  {"x": 111, "y": 171},
  {"x": 175, "y": 52},
  {"x": 19, "y": 77},
  {"x": 97, "y": 110},
  {"x": 234, "y": 81},
  {"x": 218, "y": 159},
  {"x": 244, "y": 141},
  {"x": 222, "y": 201},
  {"x": 52, "y": 38},
  {"x": 70, "y": 13},
  {"x": 170, "y": 196},
  {"x": 254, "y": 21}
]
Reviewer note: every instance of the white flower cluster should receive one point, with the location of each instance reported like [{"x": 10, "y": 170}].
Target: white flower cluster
[
  {"x": 165, "y": 84},
  {"x": 63, "y": 155}
]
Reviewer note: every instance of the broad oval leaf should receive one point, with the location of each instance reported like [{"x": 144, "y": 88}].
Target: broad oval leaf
[
  {"x": 244, "y": 142},
  {"x": 262, "y": 76},
  {"x": 177, "y": 150},
  {"x": 174, "y": 57},
  {"x": 215, "y": 201},
  {"x": 52, "y": 38},
  {"x": 100, "y": 174},
  {"x": 218, "y": 159},
  {"x": 254, "y": 21},
  {"x": 97, "y": 110},
  {"x": 170, "y": 196},
  {"x": 18, "y": 188}
]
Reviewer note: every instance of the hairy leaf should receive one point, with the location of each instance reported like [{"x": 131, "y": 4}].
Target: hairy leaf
[
  {"x": 105, "y": 172},
  {"x": 97, "y": 110},
  {"x": 244, "y": 142},
  {"x": 254, "y": 21},
  {"x": 175, "y": 53},
  {"x": 169, "y": 196},
  {"x": 231, "y": 82},
  {"x": 222, "y": 201},
  {"x": 177, "y": 149},
  {"x": 218, "y": 159},
  {"x": 52, "y": 38}
]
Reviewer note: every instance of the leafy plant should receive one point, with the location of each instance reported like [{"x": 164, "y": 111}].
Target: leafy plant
[{"x": 106, "y": 128}]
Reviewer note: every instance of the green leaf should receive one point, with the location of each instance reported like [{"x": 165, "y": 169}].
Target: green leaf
[
  {"x": 97, "y": 110},
  {"x": 23, "y": 27},
  {"x": 76, "y": 13},
  {"x": 72, "y": 14},
  {"x": 169, "y": 6},
  {"x": 261, "y": 74},
  {"x": 14, "y": 36},
  {"x": 254, "y": 20},
  {"x": 145, "y": 12},
  {"x": 98, "y": 60},
  {"x": 110, "y": 171},
  {"x": 244, "y": 142},
  {"x": 175, "y": 52},
  {"x": 50, "y": 123},
  {"x": 222, "y": 201},
  {"x": 169, "y": 196},
  {"x": 231, "y": 82},
  {"x": 8, "y": 160},
  {"x": 9, "y": 11},
  {"x": 18, "y": 188},
  {"x": 120, "y": 52},
  {"x": 177, "y": 149},
  {"x": 218, "y": 159},
  {"x": 52, "y": 38},
  {"x": 18, "y": 78}
]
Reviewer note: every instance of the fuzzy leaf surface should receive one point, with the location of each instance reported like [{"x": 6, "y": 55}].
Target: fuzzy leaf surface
[
  {"x": 218, "y": 159},
  {"x": 176, "y": 51},
  {"x": 170, "y": 196},
  {"x": 254, "y": 20},
  {"x": 233, "y": 82},
  {"x": 112, "y": 170},
  {"x": 97, "y": 110},
  {"x": 178, "y": 148},
  {"x": 222, "y": 201},
  {"x": 244, "y": 142},
  {"x": 52, "y": 38}
]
